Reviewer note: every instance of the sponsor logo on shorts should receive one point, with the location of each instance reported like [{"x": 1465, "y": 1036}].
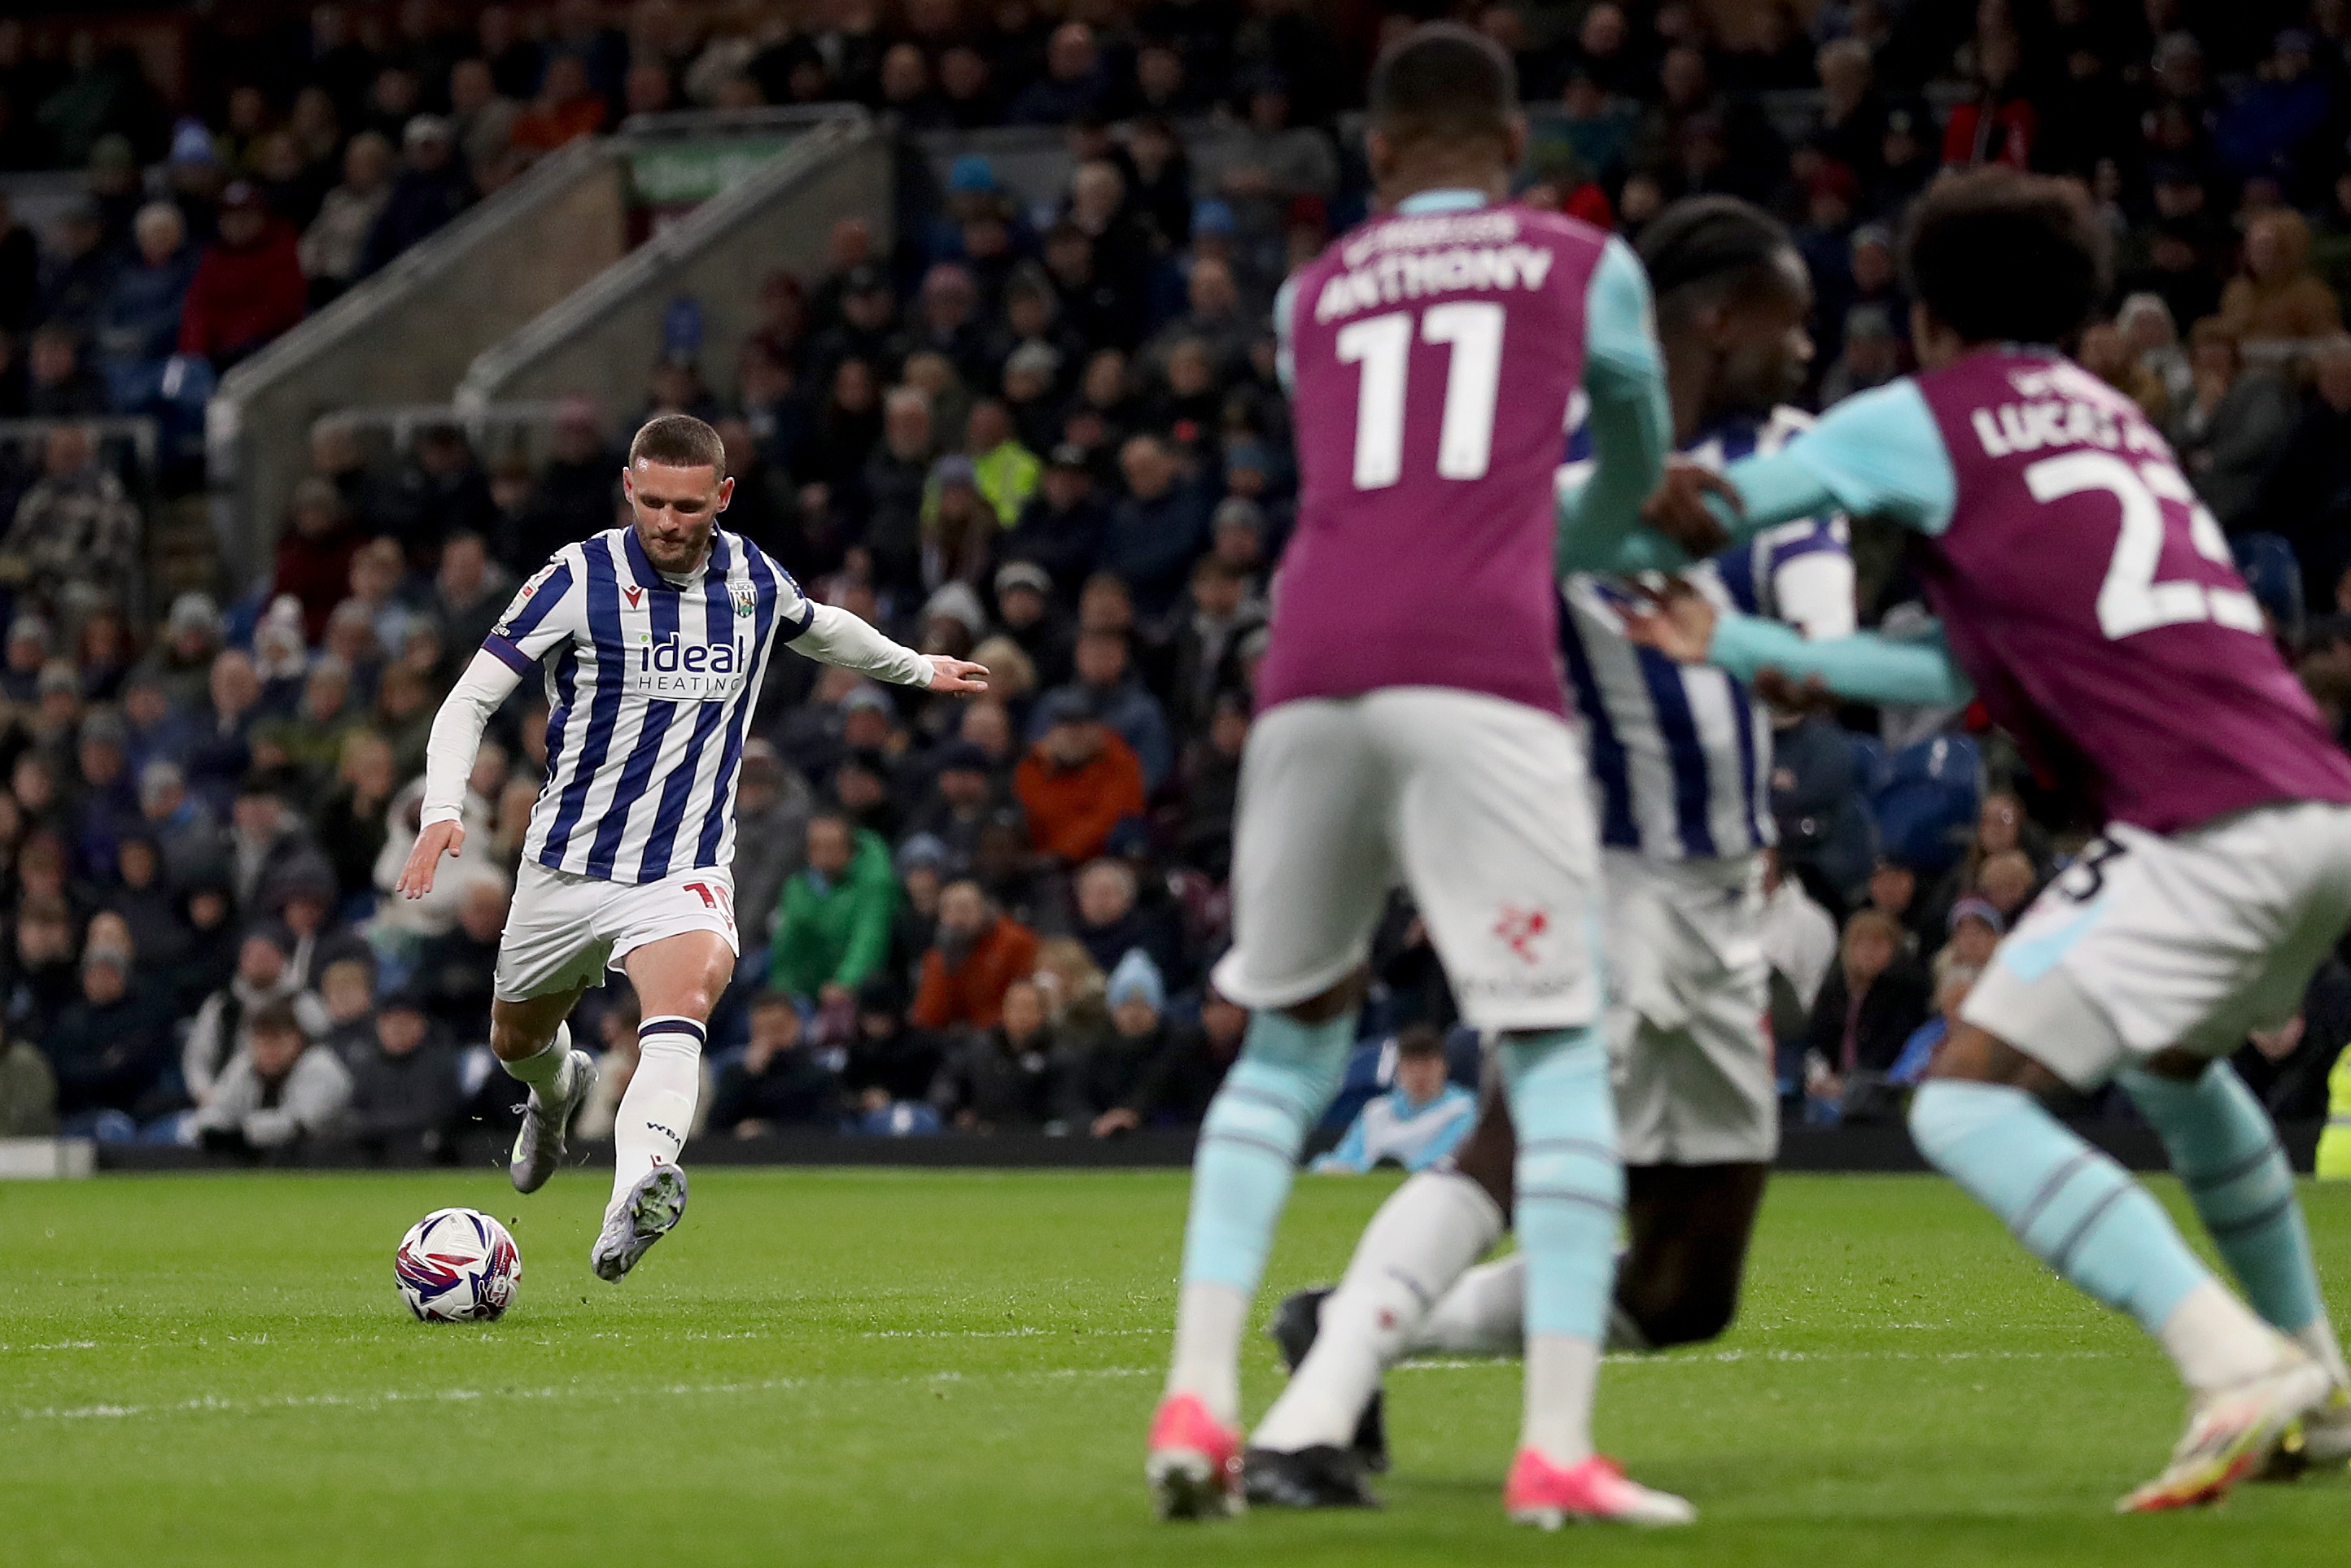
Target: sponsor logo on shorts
[{"x": 1518, "y": 930}]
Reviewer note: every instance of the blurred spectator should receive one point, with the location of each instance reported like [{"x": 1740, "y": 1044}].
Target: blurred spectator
[
  {"x": 1107, "y": 681},
  {"x": 832, "y": 923},
  {"x": 1873, "y": 999},
  {"x": 1421, "y": 1118},
  {"x": 278, "y": 1091},
  {"x": 110, "y": 1047},
  {"x": 1872, "y": 356},
  {"x": 565, "y": 107},
  {"x": 482, "y": 117},
  {"x": 1008, "y": 1075},
  {"x": 265, "y": 837},
  {"x": 331, "y": 247},
  {"x": 456, "y": 971},
  {"x": 1156, "y": 528},
  {"x": 778, "y": 1081},
  {"x": 405, "y": 1090},
  {"x": 430, "y": 190},
  {"x": 1953, "y": 979},
  {"x": 2304, "y": 492},
  {"x": 1113, "y": 920},
  {"x": 76, "y": 525},
  {"x": 28, "y": 1091},
  {"x": 977, "y": 951},
  {"x": 1078, "y": 781},
  {"x": 248, "y": 286},
  {"x": 772, "y": 804},
  {"x": 1116, "y": 1083},
  {"x": 1075, "y": 83},
  {"x": 314, "y": 553},
  {"x": 2277, "y": 296},
  {"x": 186, "y": 836},
  {"x": 263, "y": 977},
  {"x": 887, "y": 1062},
  {"x": 138, "y": 326},
  {"x": 1060, "y": 532},
  {"x": 57, "y": 384},
  {"x": 78, "y": 272}
]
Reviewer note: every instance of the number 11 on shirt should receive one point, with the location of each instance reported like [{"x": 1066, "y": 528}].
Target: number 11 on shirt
[{"x": 1382, "y": 345}]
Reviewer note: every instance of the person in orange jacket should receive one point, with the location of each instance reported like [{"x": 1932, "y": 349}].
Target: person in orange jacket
[
  {"x": 1078, "y": 782},
  {"x": 978, "y": 954}
]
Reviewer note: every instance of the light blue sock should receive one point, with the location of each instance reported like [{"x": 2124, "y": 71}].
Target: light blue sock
[
  {"x": 1286, "y": 1076},
  {"x": 2071, "y": 1206},
  {"x": 2226, "y": 1153},
  {"x": 1570, "y": 1182}
]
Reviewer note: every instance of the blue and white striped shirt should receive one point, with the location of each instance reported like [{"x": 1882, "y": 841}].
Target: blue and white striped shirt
[
  {"x": 649, "y": 692},
  {"x": 1681, "y": 754}
]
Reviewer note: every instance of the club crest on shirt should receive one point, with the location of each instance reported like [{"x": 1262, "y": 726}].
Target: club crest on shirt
[{"x": 745, "y": 595}]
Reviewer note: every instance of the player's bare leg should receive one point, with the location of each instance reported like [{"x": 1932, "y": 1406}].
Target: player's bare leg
[
  {"x": 1978, "y": 1120},
  {"x": 678, "y": 980},
  {"x": 1288, "y": 1069},
  {"x": 533, "y": 1043}
]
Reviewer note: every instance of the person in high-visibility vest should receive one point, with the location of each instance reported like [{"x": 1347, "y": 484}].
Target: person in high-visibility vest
[{"x": 2335, "y": 1143}]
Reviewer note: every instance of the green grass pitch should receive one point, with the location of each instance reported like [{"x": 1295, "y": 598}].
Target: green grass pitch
[{"x": 950, "y": 1367}]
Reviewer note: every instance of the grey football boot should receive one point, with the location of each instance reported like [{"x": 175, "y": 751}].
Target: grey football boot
[
  {"x": 538, "y": 1144},
  {"x": 652, "y": 1210}
]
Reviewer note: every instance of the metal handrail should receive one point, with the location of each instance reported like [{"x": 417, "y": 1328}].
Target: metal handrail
[
  {"x": 557, "y": 327},
  {"x": 139, "y": 429},
  {"x": 386, "y": 290}
]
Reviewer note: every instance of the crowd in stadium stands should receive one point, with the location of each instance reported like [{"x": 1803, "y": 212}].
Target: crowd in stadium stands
[{"x": 1048, "y": 435}]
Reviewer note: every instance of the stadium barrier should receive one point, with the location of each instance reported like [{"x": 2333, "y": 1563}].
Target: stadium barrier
[
  {"x": 408, "y": 333},
  {"x": 46, "y": 1159},
  {"x": 693, "y": 288},
  {"x": 1859, "y": 1150}
]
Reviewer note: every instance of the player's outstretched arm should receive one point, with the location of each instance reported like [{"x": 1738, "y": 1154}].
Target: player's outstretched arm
[
  {"x": 1878, "y": 453},
  {"x": 456, "y": 735},
  {"x": 1868, "y": 666},
  {"x": 834, "y": 636}
]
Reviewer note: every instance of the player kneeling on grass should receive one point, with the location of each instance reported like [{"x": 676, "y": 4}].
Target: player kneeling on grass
[
  {"x": 2087, "y": 598},
  {"x": 660, "y": 630}
]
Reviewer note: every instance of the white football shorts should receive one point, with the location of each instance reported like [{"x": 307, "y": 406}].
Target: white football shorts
[
  {"x": 1688, "y": 989},
  {"x": 2150, "y": 942},
  {"x": 1479, "y": 805},
  {"x": 565, "y": 930}
]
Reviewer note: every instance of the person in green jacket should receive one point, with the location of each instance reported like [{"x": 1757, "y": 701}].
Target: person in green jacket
[{"x": 833, "y": 922}]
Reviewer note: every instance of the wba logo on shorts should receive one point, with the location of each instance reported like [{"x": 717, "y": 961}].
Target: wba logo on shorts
[{"x": 678, "y": 671}]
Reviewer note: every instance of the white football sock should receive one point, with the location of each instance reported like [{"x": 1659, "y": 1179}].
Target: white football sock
[
  {"x": 1484, "y": 1314},
  {"x": 657, "y": 1112},
  {"x": 1562, "y": 1371},
  {"x": 2318, "y": 1337},
  {"x": 1210, "y": 1318},
  {"x": 2215, "y": 1340},
  {"x": 541, "y": 1069},
  {"x": 1428, "y": 1231}
]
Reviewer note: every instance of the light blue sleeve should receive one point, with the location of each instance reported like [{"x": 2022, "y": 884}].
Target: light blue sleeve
[
  {"x": 1631, "y": 423},
  {"x": 1868, "y": 666},
  {"x": 1878, "y": 453},
  {"x": 1348, "y": 1158},
  {"x": 1285, "y": 362},
  {"x": 1463, "y": 1117}
]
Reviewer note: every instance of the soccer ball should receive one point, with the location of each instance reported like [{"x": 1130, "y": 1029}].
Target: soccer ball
[{"x": 457, "y": 1265}]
